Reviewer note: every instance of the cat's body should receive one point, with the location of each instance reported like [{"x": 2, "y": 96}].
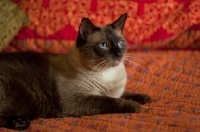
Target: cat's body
[{"x": 90, "y": 79}]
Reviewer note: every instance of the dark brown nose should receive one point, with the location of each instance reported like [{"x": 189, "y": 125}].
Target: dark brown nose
[{"x": 118, "y": 55}]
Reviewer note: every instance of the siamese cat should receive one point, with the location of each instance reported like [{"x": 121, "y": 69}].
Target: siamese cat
[{"x": 90, "y": 79}]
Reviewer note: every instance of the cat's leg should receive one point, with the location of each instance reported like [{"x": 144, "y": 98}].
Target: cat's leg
[
  {"x": 14, "y": 122},
  {"x": 140, "y": 98},
  {"x": 9, "y": 117},
  {"x": 92, "y": 104}
]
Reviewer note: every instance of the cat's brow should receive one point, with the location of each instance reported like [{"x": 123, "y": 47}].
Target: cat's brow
[{"x": 110, "y": 36}]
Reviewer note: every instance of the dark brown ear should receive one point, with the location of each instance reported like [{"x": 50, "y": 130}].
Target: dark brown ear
[
  {"x": 119, "y": 23},
  {"x": 86, "y": 28}
]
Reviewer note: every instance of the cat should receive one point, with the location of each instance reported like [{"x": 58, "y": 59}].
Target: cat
[{"x": 90, "y": 79}]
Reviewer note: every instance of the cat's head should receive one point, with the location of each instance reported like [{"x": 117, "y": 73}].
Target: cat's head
[{"x": 102, "y": 45}]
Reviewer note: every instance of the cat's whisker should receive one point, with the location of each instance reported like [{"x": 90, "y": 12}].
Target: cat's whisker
[
  {"x": 108, "y": 64},
  {"x": 102, "y": 66},
  {"x": 142, "y": 68},
  {"x": 133, "y": 57},
  {"x": 93, "y": 70},
  {"x": 137, "y": 65},
  {"x": 99, "y": 64},
  {"x": 127, "y": 62}
]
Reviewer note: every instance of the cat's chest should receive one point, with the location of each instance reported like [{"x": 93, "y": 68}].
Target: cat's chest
[
  {"x": 114, "y": 81},
  {"x": 113, "y": 74},
  {"x": 110, "y": 82}
]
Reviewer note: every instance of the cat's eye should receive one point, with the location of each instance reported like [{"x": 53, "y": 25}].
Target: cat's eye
[
  {"x": 120, "y": 44},
  {"x": 103, "y": 45}
]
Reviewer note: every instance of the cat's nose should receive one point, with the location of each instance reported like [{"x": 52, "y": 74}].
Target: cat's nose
[{"x": 119, "y": 54}]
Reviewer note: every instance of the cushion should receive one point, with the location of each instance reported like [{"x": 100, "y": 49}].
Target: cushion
[{"x": 11, "y": 21}]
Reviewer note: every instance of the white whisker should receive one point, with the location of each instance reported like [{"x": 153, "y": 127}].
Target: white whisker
[
  {"x": 128, "y": 60},
  {"x": 99, "y": 64},
  {"x": 102, "y": 66},
  {"x": 133, "y": 57},
  {"x": 94, "y": 70}
]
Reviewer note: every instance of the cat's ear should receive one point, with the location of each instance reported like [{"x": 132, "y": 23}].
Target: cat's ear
[
  {"x": 119, "y": 23},
  {"x": 86, "y": 28}
]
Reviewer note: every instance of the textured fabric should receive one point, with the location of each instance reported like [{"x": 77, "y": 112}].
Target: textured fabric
[
  {"x": 172, "y": 78},
  {"x": 150, "y": 24},
  {"x": 11, "y": 21}
]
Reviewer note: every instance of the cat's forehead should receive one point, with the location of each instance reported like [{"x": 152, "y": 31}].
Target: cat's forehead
[
  {"x": 105, "y": 33},
  {"x": 109, "y": 30}
]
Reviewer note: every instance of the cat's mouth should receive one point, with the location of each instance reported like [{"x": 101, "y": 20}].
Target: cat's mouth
[{"x": 114, "y": 63}]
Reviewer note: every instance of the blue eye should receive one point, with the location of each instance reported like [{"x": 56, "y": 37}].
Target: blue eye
[
  {"x": 103, "y": 45},
  {"x": 120, "y": 44}
]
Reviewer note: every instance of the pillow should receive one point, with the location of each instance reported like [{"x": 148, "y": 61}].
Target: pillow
[
  {"x": 11, "y": 21},
  {"x": 154, "y": 24}
]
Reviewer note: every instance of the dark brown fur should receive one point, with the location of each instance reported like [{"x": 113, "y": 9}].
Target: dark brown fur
[{"x": 43, "y": 85}]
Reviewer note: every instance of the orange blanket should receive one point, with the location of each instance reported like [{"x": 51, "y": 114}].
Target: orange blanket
[{"x": 172, "y": 78}]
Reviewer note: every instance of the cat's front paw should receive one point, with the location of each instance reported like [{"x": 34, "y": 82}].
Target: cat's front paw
[
  {"x": 131, "y": 107},
  {"x": 142, "y": 98},
  {"x": 20, "y": 123}
]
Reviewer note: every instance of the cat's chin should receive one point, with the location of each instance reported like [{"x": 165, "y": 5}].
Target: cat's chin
[{"x": 114, "y": 63}]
